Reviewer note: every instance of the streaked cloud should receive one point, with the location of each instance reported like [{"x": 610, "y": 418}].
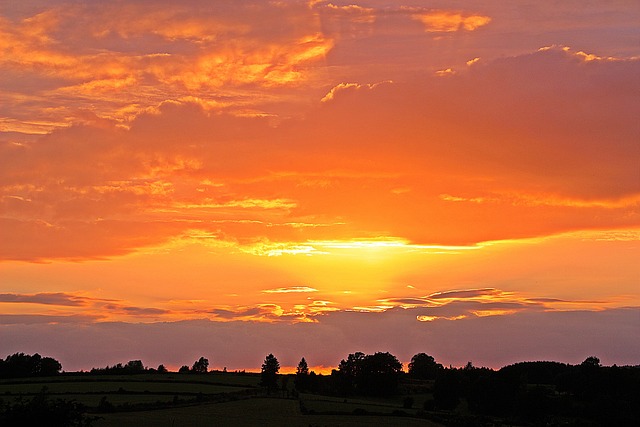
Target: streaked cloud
[
  {"x": 56, "y": 298},
  {"x": 39, "y": 319},
  {"x": 295, "y": 289},
  {"x": 466, "y": 293}
]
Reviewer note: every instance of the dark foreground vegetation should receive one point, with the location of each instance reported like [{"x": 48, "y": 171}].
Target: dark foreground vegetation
[{"x": 369, "y": 389}]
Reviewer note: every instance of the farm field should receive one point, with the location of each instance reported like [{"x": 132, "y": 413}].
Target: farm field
[
  {"x": 130, "y": 390},
  {"x": 333, "y": 404},
  {"x": 249, "y": 412},
  {"x": 205, "y": 400}
]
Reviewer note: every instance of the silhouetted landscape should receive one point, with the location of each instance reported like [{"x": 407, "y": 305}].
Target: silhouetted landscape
[{"x": 371, "y": 389}]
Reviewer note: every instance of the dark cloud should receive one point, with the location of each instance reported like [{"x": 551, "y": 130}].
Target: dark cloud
[
  {"x": 136, "y": 311},
  {"x": 55, "y": 298},
  {"x": 410, "y": 301},
  {"x": 40, "y": 319},
  {"x": 243, "y": 312},
  {"x": 467, "y": 293},
  {"x": 486, "y": 341}
]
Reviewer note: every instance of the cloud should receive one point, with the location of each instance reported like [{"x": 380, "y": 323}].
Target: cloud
[
  {"x": 566, "y": 337},
  {"x": 40, "y": 319},
  {"x": 447, "y": 21},
  {"x": 129, "y": 57},
  {"x": 135, "y": 311},
  {"x": 294, "y": 289},
  {"x": 266, "y": 313},
  {"x": 56, "y": 298},
  {"x": 463, "y": 294},
  {"x": 524, "y": 146}
]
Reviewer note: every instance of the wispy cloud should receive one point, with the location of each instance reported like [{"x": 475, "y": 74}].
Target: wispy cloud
[
  {"x": 292, "y": 289},
  {"x": 35, "y": 319},
  {"x": 56, "y": 298},
  {"x": 465, "y": 293}
]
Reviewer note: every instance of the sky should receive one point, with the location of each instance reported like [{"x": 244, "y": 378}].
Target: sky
[{"x": 310, "y": 179}]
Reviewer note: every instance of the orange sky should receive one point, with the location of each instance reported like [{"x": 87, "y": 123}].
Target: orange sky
[{"x": 308, "y": 178}]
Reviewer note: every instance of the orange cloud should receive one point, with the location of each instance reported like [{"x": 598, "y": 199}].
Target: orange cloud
[
  {"x": 294, "y": 289},
  {"x": 446, "y": 21},
  {"x": 334, "y": 175}
]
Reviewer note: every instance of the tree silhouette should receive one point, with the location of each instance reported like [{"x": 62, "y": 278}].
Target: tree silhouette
[
  {"x": 24, "y": 365},
  {"x": 347, "y": 375},
  {"x": 447, "y": 389},
  {"x": 303, "y": 368},
  {"x": 200, "y": 366},
  {"x": 369, "y": 374},
  {"x": 134, "y": 366},
  {"x": 269, "y": 374},
  {"x": 302, "y": 375},
  {"x": 162, "y": 369},
  {"x": 424, "y": 367},
  {"x": 379, "y": 374},
  {"x": 183, "y": 369},
  {"x": 591, "y": 362},
  {"x": 41, "y": 410}
]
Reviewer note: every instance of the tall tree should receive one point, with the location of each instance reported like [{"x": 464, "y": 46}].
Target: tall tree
[
  {"x": 424, "y": 367},
  {"x": 269, "y": 374},
  {"x": 200, "y": 366},
  {"x": 302, "y": 375},
  {"x": 379, "y": 374},
  {"x": 369, "y": 374},
  {"x": 303, "y": 368}
]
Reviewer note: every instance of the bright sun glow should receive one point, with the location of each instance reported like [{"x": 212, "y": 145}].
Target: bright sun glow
[{"x": 247, "y": 177}]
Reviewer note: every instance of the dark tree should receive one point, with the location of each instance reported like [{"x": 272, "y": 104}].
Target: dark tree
[
  {"x": 24, "y": 365},
  {"x": 303, "y": 368},
  {"x": 162, "y": 369},
  {"x": 447, "y": 389},
  {"x": 424, "y": 367},
  {"x": 302, "y": 375},
  {"x": 200, "y": 366},
  {"x": 351, "y": 367},
  {"x": 184, "y": 369},
  {"x": 346, "y": 377},
  {"x": 134, "y": 366},
  {"x": 379, "y": 374},
  {"x": 41, "y": 410},
  {"x": 591, "y": 362},
  {"x": 369, "y": 374},
  {"x": 269, "y": 373}
]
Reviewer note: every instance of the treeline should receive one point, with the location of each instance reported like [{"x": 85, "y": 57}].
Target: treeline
[
  {"x": 24, "y": 365},
  {"x": 526, "y": 392},
  {"x": 548, "y": 393},
  {"x": 200, "y": 366}
]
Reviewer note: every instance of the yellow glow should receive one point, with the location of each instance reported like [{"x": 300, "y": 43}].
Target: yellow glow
[
  {"x": 444, "y": 21},
  {"x": 432, "y": 318},
  {"x": 486, "y": 313}
]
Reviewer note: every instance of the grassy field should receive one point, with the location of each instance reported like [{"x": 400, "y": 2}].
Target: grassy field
[
  {"x": 249, "y": 412},
  {"x": 212, "y": 399},
  {"x": 129, "y": 390},
  {"x": 329, "y": 404}
]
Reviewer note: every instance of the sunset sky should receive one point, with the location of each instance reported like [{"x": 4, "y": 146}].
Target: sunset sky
[{"x": 230, "y": 179}]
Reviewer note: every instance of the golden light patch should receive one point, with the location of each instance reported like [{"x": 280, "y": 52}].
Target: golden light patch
[{"x": 445, "y": 21}]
